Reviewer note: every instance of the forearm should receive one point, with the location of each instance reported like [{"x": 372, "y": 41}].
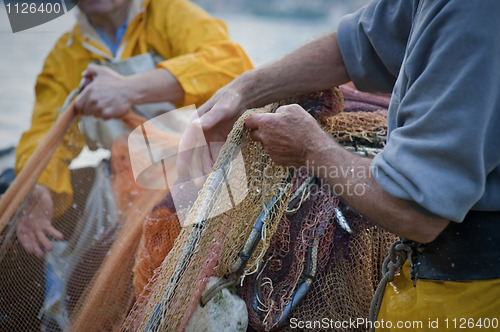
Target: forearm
[
  {"x": 158, "y": 85},
  {"x": 316, "y": 66},
  {"x": 352, "y": 178}
]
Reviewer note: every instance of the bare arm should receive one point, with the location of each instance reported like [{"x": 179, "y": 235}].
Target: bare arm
[
  {"x": 349, "y": 176},
  {"x": 154, "y": 86},
  {"x": 316, "y": 66}
]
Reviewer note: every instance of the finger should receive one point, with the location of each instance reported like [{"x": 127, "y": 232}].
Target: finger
[
  {"x": 207, "y": 106},
  {"x": 215, "y": 148},
  {"x": 25, "y": 240},
  {"x": 30, "y": 244},
  {"x": 190, "y": 150},
  {"x": 186, "y": 150},
  {"x": 52, "y": 231},
  {"x": 196, "y": 166},
  {"x": 193, "y": 136},
  {"x": 92, "y": 70},
  {"x": 256, "y": 135},
  {"x": 182, "y": 165},
  {"x": 43, "y": 239},
  {"x": 285, "y": 108},
  {"x": 209, "y": 119},
  {"x": 290, "y": 107},
  {"x": 86, "y": 104},
  {"x": 218, "y": 113},
  {"x": 255, "y": 121},
  {"x": 81, "y": 101},
  {"x": 84, "y": 82},
  {"x": 208, "y": 158}
]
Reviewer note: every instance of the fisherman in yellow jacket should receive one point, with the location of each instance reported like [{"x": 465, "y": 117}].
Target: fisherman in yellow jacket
[{"x": 197, "y": 58}]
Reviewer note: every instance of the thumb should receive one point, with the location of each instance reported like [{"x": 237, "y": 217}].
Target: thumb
[
  {"x": 254, "y": 121},
  {"x": 211, "y": 118},
  {"x": 91, "y": 71}
]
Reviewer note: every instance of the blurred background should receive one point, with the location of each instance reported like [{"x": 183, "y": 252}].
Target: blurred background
[{"x": 266, "y": 29}]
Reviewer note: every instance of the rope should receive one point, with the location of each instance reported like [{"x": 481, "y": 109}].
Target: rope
[
  {"x": 399, "y": 252},
  {"x": 220, "y": 285}
]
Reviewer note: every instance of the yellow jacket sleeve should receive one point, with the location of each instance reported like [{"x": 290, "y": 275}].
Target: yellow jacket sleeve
[
  {"x": 199, "y": 54},
  {"x": 203, "y": 57},
  {"x": 52, "y": 87}
]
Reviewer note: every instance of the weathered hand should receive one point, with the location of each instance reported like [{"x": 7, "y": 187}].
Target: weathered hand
[
  {"x": 211, "y": 125},
  {"x": 35, "y": 224},
  {"x": 290, "y": 136},
  {"x": 107, "y": 95}
]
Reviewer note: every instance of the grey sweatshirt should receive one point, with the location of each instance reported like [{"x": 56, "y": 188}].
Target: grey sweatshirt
[{"x": 441, "y": 59}]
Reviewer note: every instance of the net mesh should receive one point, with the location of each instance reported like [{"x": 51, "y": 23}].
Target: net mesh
[
  {"x": 160, "y": 230},
  {"x": 299, "y": 250},
  {"x": 364, "y": 128},
  {"x": 133, "y": 267},
  {"x": 185, "y": 270},
  {"x": 69, "y": 288}
]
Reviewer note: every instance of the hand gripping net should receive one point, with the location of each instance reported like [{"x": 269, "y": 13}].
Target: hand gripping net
[{"x": 315, "y": 267}]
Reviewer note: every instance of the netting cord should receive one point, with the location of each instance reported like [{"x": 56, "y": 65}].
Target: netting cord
[
  {"x": 399, "y": 252},
  {"x": 214, "y": 184},
  {"x": 257, "y": 234},
  {"x": 27, "y": 178},
  {"x": 212, "y": 291}
]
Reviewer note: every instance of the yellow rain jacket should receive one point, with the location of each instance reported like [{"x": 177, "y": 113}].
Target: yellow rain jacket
[{"x": 196, "y": 47}]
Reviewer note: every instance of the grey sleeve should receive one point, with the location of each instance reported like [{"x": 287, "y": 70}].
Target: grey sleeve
[
  {"x": 444, "y": 149},
  {"x": 372, "y": 42}
]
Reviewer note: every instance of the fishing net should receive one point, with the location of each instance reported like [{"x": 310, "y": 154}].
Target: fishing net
[
  {"x": 274, "y": 236},
  {"x": 324, "y": 259},
  {"x": 160, "y": 230},
  {"x": 359, "y": 127},
  {"x": 85, "y": 282},
  {"x": 308, "y": 259}
]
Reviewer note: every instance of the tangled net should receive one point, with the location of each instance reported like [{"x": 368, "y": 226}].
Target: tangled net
[
  {"x": 316, "y": 267},
  {"x": 301, "y": 252},
  {"x": 363, "y": 121}
]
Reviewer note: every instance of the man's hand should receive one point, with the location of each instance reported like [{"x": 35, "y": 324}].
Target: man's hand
[
  {"x": 289, "y": 136},
  {"x": 207, "y": 130},
  {"x": 35, "y": 225},
  {"x": 107, "y": 95},
  {"x": 220, "y": 112}
]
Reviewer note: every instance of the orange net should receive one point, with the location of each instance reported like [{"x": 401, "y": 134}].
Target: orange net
[{"x": 160, "y": 230}]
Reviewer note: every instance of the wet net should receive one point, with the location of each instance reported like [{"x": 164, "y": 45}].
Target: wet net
[{"x": 276, "y": 237}]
